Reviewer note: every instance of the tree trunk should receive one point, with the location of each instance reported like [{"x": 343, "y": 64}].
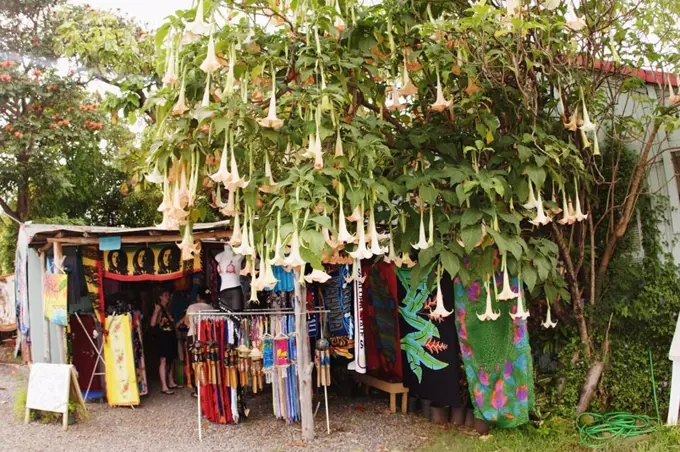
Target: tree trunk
[
  {"x": 305, "y": 363},
  {"x": 590, "y": 386}
]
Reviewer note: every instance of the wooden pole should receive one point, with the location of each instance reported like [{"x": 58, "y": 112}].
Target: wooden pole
[
  {"x": 47, "y": 354},
  {"x": 305, "y": 363},
  {"x": 61, "y": 331}
]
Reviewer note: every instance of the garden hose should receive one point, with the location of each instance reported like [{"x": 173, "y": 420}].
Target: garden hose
[{"x": 598, "y": 430}]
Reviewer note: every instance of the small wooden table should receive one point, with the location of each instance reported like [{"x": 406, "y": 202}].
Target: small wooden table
[{"x": 392, "y": 388}]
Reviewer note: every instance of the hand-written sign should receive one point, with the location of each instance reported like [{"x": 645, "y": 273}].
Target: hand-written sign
[{"x": 49, "y": 389}]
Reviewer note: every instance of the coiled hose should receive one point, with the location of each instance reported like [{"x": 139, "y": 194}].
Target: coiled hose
[{"x": 598, "y": 430}]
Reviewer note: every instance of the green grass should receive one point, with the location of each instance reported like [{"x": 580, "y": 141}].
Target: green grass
[{"x": 551, "y": 436}]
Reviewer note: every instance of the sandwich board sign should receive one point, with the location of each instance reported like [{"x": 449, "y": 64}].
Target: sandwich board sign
[{"x": 49, "y": 388}]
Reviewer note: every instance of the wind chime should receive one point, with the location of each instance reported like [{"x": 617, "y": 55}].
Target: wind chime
[{"x": 322, "y": 362}]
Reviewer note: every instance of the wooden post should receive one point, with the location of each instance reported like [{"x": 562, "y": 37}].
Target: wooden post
[
  {"x": 61, "y": 332},
  {"x": 47, "y": 354},
  {"x": 305, "y": 363}
]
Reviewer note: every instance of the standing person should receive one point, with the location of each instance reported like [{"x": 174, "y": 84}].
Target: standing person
[
  {"x": 166, "y": 338},
  {"x": 201, "y": 304}
]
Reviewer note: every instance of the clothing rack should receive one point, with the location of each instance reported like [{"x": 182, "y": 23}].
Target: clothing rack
[{"x": 208, "y": 314}]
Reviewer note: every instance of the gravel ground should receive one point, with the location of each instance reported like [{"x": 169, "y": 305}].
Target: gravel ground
[{"x": 170, "y": 423}]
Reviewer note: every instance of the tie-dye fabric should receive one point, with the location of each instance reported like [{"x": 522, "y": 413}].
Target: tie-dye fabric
[{"x": 496, "y": 357}]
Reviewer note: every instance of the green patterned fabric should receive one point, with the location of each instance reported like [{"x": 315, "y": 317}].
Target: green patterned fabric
[{"x": 496, "y": 357}]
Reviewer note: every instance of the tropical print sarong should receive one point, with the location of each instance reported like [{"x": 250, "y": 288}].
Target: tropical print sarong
[
  {"x": 121, "y": 378},
  {"x": 496, "y": 357}
]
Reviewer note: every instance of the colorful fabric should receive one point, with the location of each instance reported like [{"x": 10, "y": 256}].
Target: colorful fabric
[
  {"x": 383, "y": 348},
  {"x": 359, "y": 363},
  {"x": 286, "y": 280},
  {"x": 94, "y": 278},
  {"x": 429, "y": 345},
  {"x": 152, "y": 263},
  {"x": 337, "y": 298},
  {"x": 138, "y": 347},
  {"x": 496, "y": 356},
  {"x": 121, "y": 378},
  {"x": 55, "y": 298}
]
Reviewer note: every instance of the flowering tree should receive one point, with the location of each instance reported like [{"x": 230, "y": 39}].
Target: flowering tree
[{"x": 445, "y": 136}]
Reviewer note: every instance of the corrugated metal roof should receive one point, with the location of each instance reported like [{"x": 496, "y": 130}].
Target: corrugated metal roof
[{"x": 44, "y": 231}]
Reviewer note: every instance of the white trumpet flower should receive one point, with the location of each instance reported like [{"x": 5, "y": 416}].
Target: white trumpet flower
[
  {"x": 489, "y": 313},
  {"x": 422, "y": 243},
  {"x": 361, "y": 251},
  {"x": 236, "y": 236},
  {"x": 343, "y": 234},
  {"x": 574, "y": 22},
  {"x": 375, "y": 248},
  {"x": 506, "y": 293},
  {"x": 339, "y": 152},
  {"x": 166, "y": 205},
  {"x": 541, "y": 218},
  {"x": 551, "y": 5},
  {"x": 188, "y": 246},
  {"x": 294, "y": 260},
  {"x": 317, "y": 276},
  {"x": 440, "y": 103},
  {"x": 587, "y": 125},
  {"x": 440, "y": 311},
  {"x": 205, "y": 102},
  {"x": 393, "y": 103},
  {"x": 548, "y": 320},
  {"x": 210, "y": 64},
  {"x": 236, "y": 181},
  {"x": 568, "y": 216},
  {"x": 181, "y": 106},
  {"x": 357, "y": 215},
  {"x": 318, "y": 152},
  {"x": 521, "y": 313},
  {"x": 198, "y": 26},
  {"x": 230, "y": 208},
  {"x": 406, "y": 260},
  {"x": 531, "y": 203},
  {"x": 579, "y": 214},
  {"x": 246, "y": 247},
  {"x": 170, "y": 77},
  {"x": 392, "y": 256},
  {"x": 408, "y": 88},
  {"x": 155, "y": 177},
  {"x": 222, "y": 175},
  {"x": 271, "y": 121}
]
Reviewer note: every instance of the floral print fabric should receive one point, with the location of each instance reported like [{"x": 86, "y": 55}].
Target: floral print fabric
[{"x": 496, "y": 357}]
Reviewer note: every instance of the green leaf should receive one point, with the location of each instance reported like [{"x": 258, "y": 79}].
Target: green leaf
[
  {"x": 470, "y": 217},
  {"x": 536, "y": 174},
  {"x": 471, "y": 235},
  {"x": 529, "y": 276},
  {"x": 429, "y": 194},
  {"x": 323, "y": 221},
  {"x": 450, "y": 262},
  {"x": 524, "y": 152}
]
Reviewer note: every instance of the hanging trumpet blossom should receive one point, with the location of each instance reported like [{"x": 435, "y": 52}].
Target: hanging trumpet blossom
[
  {"x": 278, "y": 258},
  {"x": 166, "y": 205},
  {"x": 393, "y": 103},
  {"x": 551, "y": 5},
  {"x": 155, "y": 177},
  {"x": 531, "y": 203},
  {"x": 673, "y": 99},
  {"x": 188, "y": 246},
  {"x": 271, "y": 121},
  {"x": 230, "y": 208},
  {"x": 294, "y": 260},
  {"x": 408, "y": 88},
  {"x": 440, "y": 311},
  {"x": 222, "y": 175},
  {"x": 343, "y": 234},
  {"x": 198, "y": 26},
  {"x": 587, "y": 125},
  {"x": 339, "y": 152},
  {"x": 406, "y": 260},
  {"x": 361, "y": 252},
  {"x": 506, "y": 293},
  {"x": 548, "y": 320},
  {"x": 236, "y": 235},
  {"x": 422, "y": 243},
  {"x": 489, "y": 313},
  {"x": 318, "y": 151},
  {"x": 573, "y": 121},
  {"x": 339, "y": 23},
  {"x": 246, "y": 247},
  {"x": 357, "y": 215},
  {"x": 317, "y": 276},
  {"x": 574, "y": 22},
  {"x": 392, "y": 256},
  {"x": 512, "y": 6},
  {"x": 440, "y": 103},
  {"x": 170, "y": 77},
  {"x": 253, "y": 282},
  {"x": 430, "y": 229},
  {"x": 568, "y": 216},
  {"x": 270, "y": 185},
  {"x": 236, "y": 181},
  {"x": 181, "y": 106},
  {"x": 541, "y": 218},
  {"x": 210, "y": 64},
  {"x": 578, "y": 214},
  {"x": 205, "y": 102},
  {"x": 375, "y": 249},
  {"x": 521, "y": 313}
]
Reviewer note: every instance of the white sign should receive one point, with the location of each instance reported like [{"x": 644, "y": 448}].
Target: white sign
[{"x": 49, "y": 389}]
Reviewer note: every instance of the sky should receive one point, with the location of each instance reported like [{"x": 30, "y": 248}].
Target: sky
[{"x": 151, "y": 12}]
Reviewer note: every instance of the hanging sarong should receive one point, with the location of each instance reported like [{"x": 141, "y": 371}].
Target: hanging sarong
[
  {"x": 496, "y": 357},
  {"x": 121, "y": 379},
  {"x": 429, "y": 345},
  {"x": 337, "y": 297},
  {"x": 381, "y": 314}
]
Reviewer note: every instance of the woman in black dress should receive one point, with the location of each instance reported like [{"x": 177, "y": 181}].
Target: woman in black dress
[{"x": 166, "y": 338}]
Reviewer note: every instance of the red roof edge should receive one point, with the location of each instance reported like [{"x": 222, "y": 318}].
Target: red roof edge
[{"x": 647, "y": 75}]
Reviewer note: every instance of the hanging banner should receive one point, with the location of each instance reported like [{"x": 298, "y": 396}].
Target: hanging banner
[
  {"x": 152, "y": 263},
  {"x": 55, "y": 298},
  {"x": 94, "y": 273},
  {"x": 8, "y": 313},
  {"x": 21, "y": 284},
  {"x": 119, "y": 358},
  {"x": 359, "y": 363}
]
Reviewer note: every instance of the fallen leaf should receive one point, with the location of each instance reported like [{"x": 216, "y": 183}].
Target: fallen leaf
[
  {"x": 298, "y": 444},
  {"x": 360, "y": 409},
  {"x": 485, "y": 437}
]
